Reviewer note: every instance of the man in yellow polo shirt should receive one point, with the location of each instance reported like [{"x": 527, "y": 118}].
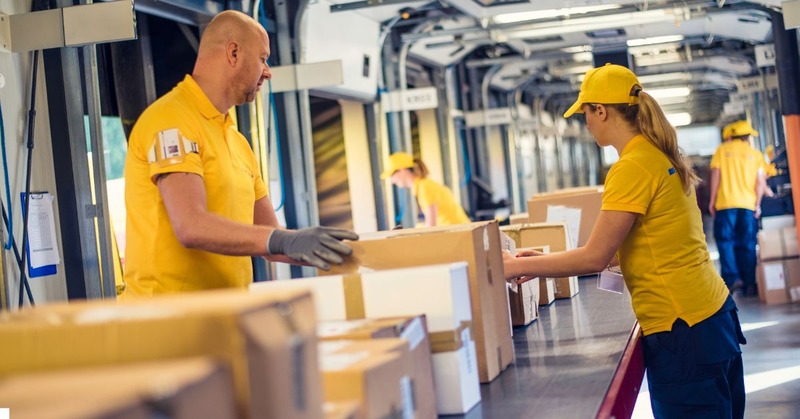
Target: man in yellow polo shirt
[
  {"x": 196, "y": 203},
  {"x": 737, "y": 172}
]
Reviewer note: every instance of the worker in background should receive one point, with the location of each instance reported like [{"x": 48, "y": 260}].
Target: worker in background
[
  {"x": 196, "y": 203},
  {"x": 650, "y": 220},
  {"x": 436, "y": 202},
  {"x": 737, "y": 186}
]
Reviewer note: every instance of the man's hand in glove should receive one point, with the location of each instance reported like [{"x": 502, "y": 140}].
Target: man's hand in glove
[{"x": 316, "y": 246}]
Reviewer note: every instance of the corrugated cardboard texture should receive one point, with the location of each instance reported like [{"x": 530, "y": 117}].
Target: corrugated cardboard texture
[
  {"x": 588, "y": 199},
  {"x": 268, "y": 340},
  {"x": 181, "y": 389},
  {"x": 478, "y": 244},
  {"x": 373, "y": 381}
]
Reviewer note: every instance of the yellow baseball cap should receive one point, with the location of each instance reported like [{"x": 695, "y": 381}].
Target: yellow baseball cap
[
  {"x": 609, "y": 84},
  {"x": 397, "y": 161},
  {"x": 738, "y": 129}
]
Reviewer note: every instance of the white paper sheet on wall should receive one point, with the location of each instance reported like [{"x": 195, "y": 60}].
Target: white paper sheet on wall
[
  {"x": 42, "y": 231},
  {"x": 569, "y": 215}
]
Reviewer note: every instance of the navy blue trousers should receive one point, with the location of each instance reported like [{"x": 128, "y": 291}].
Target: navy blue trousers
[
  {"x": 735, "y": 232},
  {"x": 696, "y": 372}
]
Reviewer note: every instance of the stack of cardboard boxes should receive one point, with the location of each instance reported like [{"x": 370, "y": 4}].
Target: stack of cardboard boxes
[{"x": 778, "y": 272}]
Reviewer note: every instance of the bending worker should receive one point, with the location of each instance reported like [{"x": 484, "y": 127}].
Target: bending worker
[
  {"x": 435, "y": 201},
  {"x": 650, "y": 219},
  {"x": 737, "y": 186},
  {"x": 196, "y": 203}
]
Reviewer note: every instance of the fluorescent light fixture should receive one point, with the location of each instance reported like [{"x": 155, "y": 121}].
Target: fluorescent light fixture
[
  {"x": 657, "y": 78},
  {"x": 669, "y": 92},
  {"x": 666, "y": 101},
  {"x": 577, "y": 49},
  {"x": 592, "y": 23},
  {"x": 665, "y": 58},
  {"x": 679, "y": 119},
  {"x": 654, "y": 40},
  {"x": 550, "y": 13}
]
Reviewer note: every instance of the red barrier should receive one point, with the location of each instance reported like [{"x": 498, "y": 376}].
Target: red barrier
[{"x": 624, "y": 388}]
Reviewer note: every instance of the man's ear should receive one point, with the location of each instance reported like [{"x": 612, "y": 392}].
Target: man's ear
[{"x": 232, "y": 52}]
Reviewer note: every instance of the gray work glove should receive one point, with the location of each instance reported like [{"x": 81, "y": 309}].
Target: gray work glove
[{"x": 317, "y": 246}]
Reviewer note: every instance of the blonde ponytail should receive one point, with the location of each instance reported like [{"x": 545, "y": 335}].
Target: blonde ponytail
[
  {"x": 648, "y": 117},
  {"x": 420, "y": 169}
]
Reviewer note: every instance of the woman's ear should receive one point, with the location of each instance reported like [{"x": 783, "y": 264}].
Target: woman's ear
[{"x": 601, "y": 111}]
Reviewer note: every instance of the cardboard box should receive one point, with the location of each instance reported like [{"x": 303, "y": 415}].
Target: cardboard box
[
  {"x": 547, "y": 291},
  {"x": 412, "y": 330},
  {"x": 777, "y": 222},
  {"x": 336, "y": 297},
  {"x": 342, "y": 410},
  {"x": 778, "y": 281},
  {"x": 454, "y": 361},
  {"x": 588, "y": 199},
  {"x": 180, "y": 389},
  {"x": 524, "y": 302},
  {"x": 479, "y": 245},
  {"x": 777, "y": 244},
  {"x": 520, "y": 218},
  {"x": 267, "y": 340},
  {"x": 376, "y": 380},
  {"x": 554, "y": 235}
]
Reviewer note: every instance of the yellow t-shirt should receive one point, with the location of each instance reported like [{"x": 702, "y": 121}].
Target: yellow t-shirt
[
  {"x": 738, "y": 165},
  {"x": 448, "y": 211},
  {"x": 664, "y": 258},
  {"x": 183, "y": 132}
]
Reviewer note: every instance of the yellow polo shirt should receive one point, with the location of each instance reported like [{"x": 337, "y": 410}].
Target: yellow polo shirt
[
  {"x": 738, "y": 165},
  {"x": 664, "y": 258},
  {"x": 183, "y": 132},
  {"x": 448, "y": 211}
]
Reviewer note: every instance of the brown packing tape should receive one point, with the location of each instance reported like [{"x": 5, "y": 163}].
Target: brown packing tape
[
  {"x": 450, "y": 340},
  {"x": 353, "y": 297}
]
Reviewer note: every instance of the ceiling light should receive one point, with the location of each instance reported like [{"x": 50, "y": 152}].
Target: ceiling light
[
  {"x": 550, "y": 13},
  {"x": 591, "y": 24},
  {"x": 669, "y": 92},
  {"x": 657, "y": 78},
  {"x": 654, "y": 40},
  {"x": 679, "y": 119},
  {"x": 579, "y": 48}
]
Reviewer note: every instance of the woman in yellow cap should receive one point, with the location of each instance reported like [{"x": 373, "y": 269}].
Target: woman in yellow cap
[
  {"x": 435, "y": 201},
  {"x": 650, "y": 221}
]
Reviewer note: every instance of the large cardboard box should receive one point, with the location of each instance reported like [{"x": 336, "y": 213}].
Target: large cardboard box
[
  {"x": 588, "y": 199},
  {"x": 336, "y": 297},
  {"x": 777, "y": 244},
  {"x": 412, "y": 330},
  {"x": 377, "y": 380},
  {"x": 454, "y": 361},
  {"x": 181, "y": 389},
  {"x": 778, "y": 281},
  {"x": 478, "y": 244},
  {"x": 267, "y": 340},
  {"x": 554, "y": 235}
]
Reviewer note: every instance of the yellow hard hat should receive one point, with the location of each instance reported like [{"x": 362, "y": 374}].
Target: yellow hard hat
[
  {"x": 609, "y": 84},
  {"x": 397, "y": 161},
  {"x": 738, "y": 129}
]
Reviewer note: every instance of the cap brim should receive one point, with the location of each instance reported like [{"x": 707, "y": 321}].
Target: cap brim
[
  {"x": 575, "y": 108},
  {"x": 386, "y": 174}
]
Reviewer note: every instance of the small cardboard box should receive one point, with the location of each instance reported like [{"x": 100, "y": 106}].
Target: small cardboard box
[
  {"x": 181, "y": 389},
  {"x": 778, "y": 281},
  {"x": 267, "y": 340},
  {"x": 454, "y": 361},
  {"x": 547, "y": 291},
  {"x": 478, "y": 244},
  {"x": 524, "y": 302},
  {"x": 375, "y": 379},
  {"x": 544, "y": 207},
  {"x": 554, "y": 235},
  {"x": 412, "y": 330},
  {"x": 520, "y": 218},
  {"x": 777, "y": 244}
]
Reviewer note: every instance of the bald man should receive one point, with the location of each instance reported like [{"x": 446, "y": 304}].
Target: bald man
[{"x": 196, "y": 202}]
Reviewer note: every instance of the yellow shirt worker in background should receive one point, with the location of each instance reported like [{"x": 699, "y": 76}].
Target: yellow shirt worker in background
[
  {"x": 737, "y": 186},
  {"x": 649, "y": 218},
  {"x": 197, "y": 206},
  {"x": 435, "y": 201}
]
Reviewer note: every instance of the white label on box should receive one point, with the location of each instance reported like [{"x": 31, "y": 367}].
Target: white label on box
[
  {"x": 336, "y": 328},
  {"x": 465, "y": 340},
  {"x": 413, "y": 333},
  {"x": 338, "y": 362},
  {"x": 5, "y": 413},
  {"x": 773, "y": 276},
  {"x": 794, "y": 293},
  {"x": 486, "y": 239},
  {"x": 407, "y": 390},
  {"x": 571, "y": 216}
]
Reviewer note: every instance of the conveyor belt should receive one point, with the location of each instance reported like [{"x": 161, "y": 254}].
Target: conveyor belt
[{"x": 565, "y": 360}]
